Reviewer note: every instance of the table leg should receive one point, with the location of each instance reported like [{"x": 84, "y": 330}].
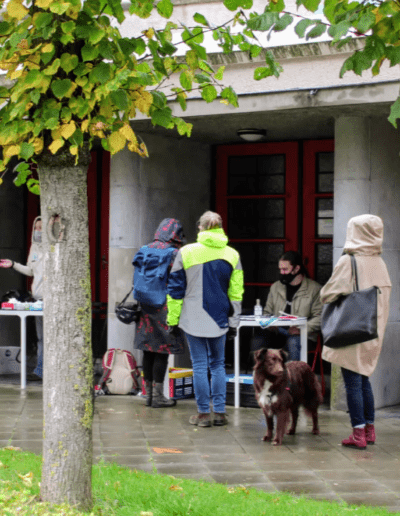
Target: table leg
[
  {"x": 303, "y": 343},
  {"x": 23, "y": 352},
  {"x": 237, "y": 369}
]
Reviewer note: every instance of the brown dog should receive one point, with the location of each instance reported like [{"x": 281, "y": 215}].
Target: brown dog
[{"x": 280, "y": 390}]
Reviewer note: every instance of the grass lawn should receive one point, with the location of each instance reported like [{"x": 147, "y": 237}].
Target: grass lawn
[{"x": 119, "y": 491}]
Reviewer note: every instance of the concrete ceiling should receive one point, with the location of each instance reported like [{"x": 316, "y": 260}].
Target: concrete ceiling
[{"x": 291, "y": 124}]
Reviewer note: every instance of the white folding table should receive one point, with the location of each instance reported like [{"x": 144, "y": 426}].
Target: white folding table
[
  {"x": 301, "y": 323},
  {"x": 22, "y": 314}
]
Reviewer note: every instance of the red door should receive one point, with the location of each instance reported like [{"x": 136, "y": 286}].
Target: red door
[
  {"x": 257, "y": 197},
  {"x": 271, "y": 201}
]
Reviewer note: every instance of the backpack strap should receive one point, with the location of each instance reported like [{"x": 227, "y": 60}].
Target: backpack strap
[
  {"x": 132, "y": 366},
  {"x": 108, "y": 362}
]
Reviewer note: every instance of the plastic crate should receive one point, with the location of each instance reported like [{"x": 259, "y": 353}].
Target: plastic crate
[
  {"x": 180, "y": 383},
  {"x": 247, "y": 397}
]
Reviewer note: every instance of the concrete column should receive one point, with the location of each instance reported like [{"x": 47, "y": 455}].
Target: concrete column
[
  {"x": 173, "y": 182},
  {"x": 367, "y": 180}
]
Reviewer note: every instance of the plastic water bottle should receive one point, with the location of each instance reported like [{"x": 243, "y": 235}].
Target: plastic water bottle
[{"x": 258, "y": 308}]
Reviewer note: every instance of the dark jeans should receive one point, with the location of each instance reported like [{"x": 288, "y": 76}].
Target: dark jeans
[
  {"x": 360, "y": 399},
  {"x": 154, "y": 366}
]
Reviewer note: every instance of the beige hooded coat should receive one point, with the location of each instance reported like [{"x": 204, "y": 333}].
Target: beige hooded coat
[{"x": 363, "y": 240}]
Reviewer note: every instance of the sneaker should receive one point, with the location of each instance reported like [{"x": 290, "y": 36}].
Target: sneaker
[
  {"x": 220, "y": 419},
  {"x": 200, "y": 420}
]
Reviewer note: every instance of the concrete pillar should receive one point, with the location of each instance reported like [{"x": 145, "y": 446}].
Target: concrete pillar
[
  {"x": 173, "y": 182},
  {"x": 367, "y": 180}
]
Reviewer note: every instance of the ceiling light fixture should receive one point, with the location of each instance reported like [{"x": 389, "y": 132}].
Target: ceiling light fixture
[{"x": 252, "y": 135}]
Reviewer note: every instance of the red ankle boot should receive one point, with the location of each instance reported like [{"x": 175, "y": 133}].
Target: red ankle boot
[
  {"x": 356, "y": 439},
  {"x": 370, "y": 434}
]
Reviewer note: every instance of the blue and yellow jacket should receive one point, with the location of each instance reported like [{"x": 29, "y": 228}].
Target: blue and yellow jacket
[{"x": 205, "y": 283}]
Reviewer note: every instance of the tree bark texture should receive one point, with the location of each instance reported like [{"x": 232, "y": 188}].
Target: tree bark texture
[{"x": 68, "y": 367}]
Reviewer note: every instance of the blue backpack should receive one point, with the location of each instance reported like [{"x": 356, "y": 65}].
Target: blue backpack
[{"x": 151, "y": 275}]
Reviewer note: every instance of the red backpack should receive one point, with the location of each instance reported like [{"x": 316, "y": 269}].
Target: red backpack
[{"x": 120, "y": 373}]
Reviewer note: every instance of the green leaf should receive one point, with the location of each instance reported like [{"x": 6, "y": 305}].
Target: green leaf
[
  {"x": 43, "y": 19},
  {"x": 53, "y": 68},
  {"x": 206, "y": 67},
  {"x": 120, "y": 99},
  {"x": 102, "y": 72},
  {"x": 209, "y": 93},
  {"x": 233, "y": 5},
  {"x": 199, "y": 18},
  {"x": 89, "y": 53},
  {"x": 393, "y": 54},
  {"x": 182, "y": 101},
  {"x": 165, "y": 8},
  {"x": 4, "y": 27},
  {"x": 59, "y": 7},
  {"x": 310, "y": 5},
  {"x": 339, "y": 30},
  {"x": 95, "y": 35},
  {"x": 33, "y": 186},
  {"x": 24, "y": 172},
  {"x": 230, "y": 95},
  {"x": 255, "y": 50},
  {"x": 394, "y": 112},
  {"x": 115, "y": 8},
  {"x": 33, "y": 78},
  {"x": 142, "y": 78},
  {"x": 68, "y": 27},
  {"x": 194, "y": 36},
  {"x": 5, "y": 93},
  {"x": 27, "y": 150},
  {"x": 283, "y": 22},
  {"x": 159, "y": 99},
  {"x": 34, "y": 95},
  {"x": 185, "y": 78},
  {"x": 220, "y": 73},
  {"x": 183, "y": 127},
  {"x": 162, "y": 117},
  {"x": 192, "y": 59},
  {"x": 366, "y": 22},
  {"x": 61, "y": 87},
  {"x": 317, "y": 31},
  {"x": 69, "y": 62},
  {"x": 106, "y": 49},
  {"x": 127, "y": 46},
  {"x": 302, "y": 26},
  {"x": 261, "y": 72},
  {"x": 201, "y": 78},
  {"x": 263, "y": 22},
  {"x": 77, "y": 137}
]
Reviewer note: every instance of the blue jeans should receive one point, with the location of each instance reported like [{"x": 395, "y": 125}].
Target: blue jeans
[
  {"x": 39, "y": 332},
  {"x": 360, "y": 399},
  {"x": 293, "y": 346},
  {"x": 208, "y": 353}
]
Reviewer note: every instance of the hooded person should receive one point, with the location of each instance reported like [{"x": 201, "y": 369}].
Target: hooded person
[
  {"x": 205, "y": 291},
  {"x": 33, "y": 267},
  {"x": 363, "y": 240},
  {"x": 151, "y": 335}
]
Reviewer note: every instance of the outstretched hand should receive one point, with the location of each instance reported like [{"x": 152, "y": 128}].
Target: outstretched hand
[{"x": 6, "y": 264}]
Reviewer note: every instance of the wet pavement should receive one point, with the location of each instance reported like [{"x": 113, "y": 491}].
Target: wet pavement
[{"x": 162, "y": 440}]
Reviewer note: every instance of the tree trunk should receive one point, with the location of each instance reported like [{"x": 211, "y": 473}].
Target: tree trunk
[{"x": 68, "y": 367}]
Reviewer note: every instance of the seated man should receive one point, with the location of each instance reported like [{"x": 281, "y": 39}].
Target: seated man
[{"x": 294, "y": 294}]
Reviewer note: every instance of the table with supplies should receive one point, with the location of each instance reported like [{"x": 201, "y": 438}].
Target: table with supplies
[
  {"x": 22, "y": 314},
  {"x": 265, "y": 322}
]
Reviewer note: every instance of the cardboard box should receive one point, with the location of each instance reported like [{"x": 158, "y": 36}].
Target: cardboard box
[
  {"x": 247, "y": 397},
  {"x": 180, "y": 383}
]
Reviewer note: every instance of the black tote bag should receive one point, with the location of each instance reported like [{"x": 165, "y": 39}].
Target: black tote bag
[{"x": 351, "y": 319}]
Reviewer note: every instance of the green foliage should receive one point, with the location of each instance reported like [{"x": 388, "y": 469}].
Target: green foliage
[
  {"x": 120, "y": 491},
  {"x": 76, "y": 79}
]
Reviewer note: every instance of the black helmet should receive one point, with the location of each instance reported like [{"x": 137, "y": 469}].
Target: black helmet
[{"x": 128, "y": 313}]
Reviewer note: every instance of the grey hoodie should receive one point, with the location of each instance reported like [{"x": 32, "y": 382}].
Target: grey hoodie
[{"x": 34, "y": 266}]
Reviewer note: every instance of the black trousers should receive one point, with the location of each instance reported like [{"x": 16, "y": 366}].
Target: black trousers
[{"x": 154, "y": 366}]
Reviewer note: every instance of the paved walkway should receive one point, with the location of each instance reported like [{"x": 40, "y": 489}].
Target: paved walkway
[{"x": 127, "y": 432}]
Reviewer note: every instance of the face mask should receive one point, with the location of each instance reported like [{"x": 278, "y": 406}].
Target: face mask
[
  {"x": 287, "y": 278},
  {"x": 37, "y": 236}
]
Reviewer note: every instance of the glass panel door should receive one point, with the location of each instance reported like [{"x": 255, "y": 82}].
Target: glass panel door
[
  {"x": 318, "y": 170},
  {"x": 257, "y": 197}
]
